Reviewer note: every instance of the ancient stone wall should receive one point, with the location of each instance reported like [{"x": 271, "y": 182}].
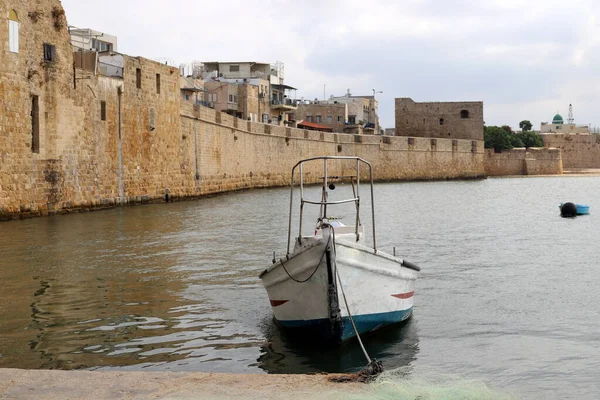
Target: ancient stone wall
[
  {"x": 33, "y": 80},
  {"x": 578, "y": 151},
  {"x": 532, "y": 161},
  {"x": 449, "y": 120},
  {"x": 235, "y": 154}
]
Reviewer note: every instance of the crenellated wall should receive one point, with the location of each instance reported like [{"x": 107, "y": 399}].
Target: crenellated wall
[
  {"x": 236, "y": 154},
  {"x": 532, "y": 161}
]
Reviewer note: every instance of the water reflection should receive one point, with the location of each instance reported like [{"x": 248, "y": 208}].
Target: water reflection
[
  {"x": 175, "y": 287},
  {"x": 397, "y": 345}
]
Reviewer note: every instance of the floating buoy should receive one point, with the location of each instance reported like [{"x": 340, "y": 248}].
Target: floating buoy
[{"x": 568, "y": 210}]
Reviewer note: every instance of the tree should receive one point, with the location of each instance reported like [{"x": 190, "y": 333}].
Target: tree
[
  {"x": 515, "y": 141},
  {"x": 525, "y": 125},
  {"x": 508, "y": 129},
  {"x": 531, "y": 139},
  {"x": 497, "y": 138}
]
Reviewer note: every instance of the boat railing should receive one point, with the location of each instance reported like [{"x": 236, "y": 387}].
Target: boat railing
[{"x": 325, "y": 179}]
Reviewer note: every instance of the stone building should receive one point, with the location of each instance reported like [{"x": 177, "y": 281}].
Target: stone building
[
  {"x": 450, "y": 120},
  {"x": 243, "y": 98},
  {"x": 324, "y": 113},
  {"x": 363, "y": 113},
  {"x": 250, "y": 90},
  {"x": 192, "y": 90}
]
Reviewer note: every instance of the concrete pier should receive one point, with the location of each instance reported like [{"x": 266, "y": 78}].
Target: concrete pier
[{"x": 65, "y": 385}]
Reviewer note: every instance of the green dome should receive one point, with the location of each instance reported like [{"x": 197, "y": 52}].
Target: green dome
[{"x": 558, "y": 119}]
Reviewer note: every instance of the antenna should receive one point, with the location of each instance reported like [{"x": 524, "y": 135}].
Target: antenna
[{"x": 570, "y": 119}]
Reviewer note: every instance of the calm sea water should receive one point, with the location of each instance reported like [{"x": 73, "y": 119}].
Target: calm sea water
[{"x": 508, "y": 294}]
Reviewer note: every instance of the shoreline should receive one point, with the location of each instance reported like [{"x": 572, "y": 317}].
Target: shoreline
[{"x": 64, "y": 385}]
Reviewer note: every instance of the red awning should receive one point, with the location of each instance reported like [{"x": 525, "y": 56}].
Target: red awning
[{"x": 315, "y": 127}]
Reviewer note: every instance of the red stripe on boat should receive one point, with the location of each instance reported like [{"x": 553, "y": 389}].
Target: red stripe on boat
[
  {"x": 404, "y": 295},
  {"x": 277, "y": 303}
]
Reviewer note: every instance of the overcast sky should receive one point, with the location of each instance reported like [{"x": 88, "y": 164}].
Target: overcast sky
[{"x": 523, "y": 59}]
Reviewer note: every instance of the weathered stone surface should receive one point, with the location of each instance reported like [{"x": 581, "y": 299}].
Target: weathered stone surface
[
  {"x": 533, "y": 161},
  {"x": 450, "y": 120},
  {"x": 578, "y": 151}
]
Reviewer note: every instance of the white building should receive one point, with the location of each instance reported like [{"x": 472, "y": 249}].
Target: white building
[
  {"x": 558, "y": 126},
  {"x": 91, "y": 40}
]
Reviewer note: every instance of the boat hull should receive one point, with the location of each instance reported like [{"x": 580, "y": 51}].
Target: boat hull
[
  {"x": 582, "y": 209},
  {"x": 379, "y": 291}
]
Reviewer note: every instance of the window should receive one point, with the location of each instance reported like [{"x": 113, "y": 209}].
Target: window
[
  {"x": 157, "y": 83},
  {"x": 329, "y": 119},
  {"x": 138, "y": 78},
  {"x": 102, "y": 111},
  {"x": 318, "y": 118},
  {"x": 35, "y": 124},
  {"x": 352, "y": 119},
  {"x": 49, "y": 52},
  {"x": 309, "y": 118},
  {"x": 340, "y": 118},
  {"x": 441, "y": 121},
  {"x": 464, "y": 114},
  {"x": 231, "y": 98},
  {"x": 234, "y": 68},
  {"x": 101, "y": 46},
  {"x": 187, "y": 97},
  {"x": 212, "y": 97},
  {"x": 13, "y": 31}
]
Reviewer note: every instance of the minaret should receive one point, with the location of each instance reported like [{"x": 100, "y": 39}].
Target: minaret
[{"x": 570, "y": 120}]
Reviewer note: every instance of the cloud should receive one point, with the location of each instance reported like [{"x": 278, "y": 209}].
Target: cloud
[{"x": 525, "y": 60}]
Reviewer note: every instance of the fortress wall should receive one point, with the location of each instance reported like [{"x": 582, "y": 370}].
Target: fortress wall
[
  {"x": 578, "y": 151},
  {"x": 532, "y": 161}
]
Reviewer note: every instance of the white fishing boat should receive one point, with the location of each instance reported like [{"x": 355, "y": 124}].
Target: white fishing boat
[{"x": 332, "y": 284}]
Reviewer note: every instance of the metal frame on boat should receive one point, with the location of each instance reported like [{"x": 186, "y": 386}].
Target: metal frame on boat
[{"x": 331, "y": 283}]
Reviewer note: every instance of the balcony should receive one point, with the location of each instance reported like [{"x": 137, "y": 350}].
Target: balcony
[
  {"x": 232, "y": 106},
  {"x": 209, "y": 104},
  {"x": 285, "y": 105}
]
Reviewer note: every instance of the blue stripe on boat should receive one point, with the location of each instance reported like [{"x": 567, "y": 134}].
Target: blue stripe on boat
[{"x": 364, "y": 323}]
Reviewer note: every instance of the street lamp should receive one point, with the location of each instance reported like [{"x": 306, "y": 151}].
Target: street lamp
[{"x": 373, "y": 109}]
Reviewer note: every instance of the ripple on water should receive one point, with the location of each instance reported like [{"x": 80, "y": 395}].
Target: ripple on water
[{"x": 507, "y": 294}]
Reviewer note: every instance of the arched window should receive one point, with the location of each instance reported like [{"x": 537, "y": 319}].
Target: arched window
[
  {"x": 441, "y": 121},
  {"x": 464, "y": 114},
  {"x": 13, "y": 31}
]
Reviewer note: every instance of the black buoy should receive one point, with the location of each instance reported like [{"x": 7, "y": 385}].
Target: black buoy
[{"x": 568, "y": 210}]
